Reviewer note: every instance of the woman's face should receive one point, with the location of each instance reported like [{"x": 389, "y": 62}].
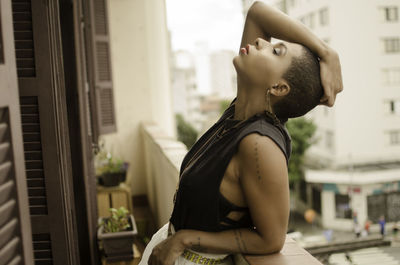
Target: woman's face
[{"x": 263, "y": 64}]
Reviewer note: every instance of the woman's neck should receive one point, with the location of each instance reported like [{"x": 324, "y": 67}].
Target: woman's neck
[{"x": 249, "y": 101}]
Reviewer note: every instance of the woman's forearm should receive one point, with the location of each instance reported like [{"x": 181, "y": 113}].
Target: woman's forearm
[
  {"x": 273, "y": 23},
  {"x": 231, "y": 241}
]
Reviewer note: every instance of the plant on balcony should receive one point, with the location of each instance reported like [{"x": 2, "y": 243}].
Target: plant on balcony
[
  {"x": 116, "y": 234},
  {"x": 110, "y": 171}
]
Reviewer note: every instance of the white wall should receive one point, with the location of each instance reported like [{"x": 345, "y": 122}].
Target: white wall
[{"x": 140, "y": 54}]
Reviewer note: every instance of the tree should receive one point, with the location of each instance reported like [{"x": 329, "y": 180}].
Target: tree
[
  {"x": 223, "y": 105},
  {"x": 186, "y": 133},
  {"x": 302, "y": 131}
]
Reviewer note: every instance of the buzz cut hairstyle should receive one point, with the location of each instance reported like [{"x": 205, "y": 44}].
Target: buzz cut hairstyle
[{"x": 303, "y": 77}]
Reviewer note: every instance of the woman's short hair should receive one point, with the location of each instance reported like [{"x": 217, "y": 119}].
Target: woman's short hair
[{"x": 303, "y": 77}]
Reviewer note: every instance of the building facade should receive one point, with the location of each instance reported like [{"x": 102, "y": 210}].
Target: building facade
[
  {"x": 223, "y": 74},
  {"x": 186, "y": 97},
  {"x": 358, "y": 140}
]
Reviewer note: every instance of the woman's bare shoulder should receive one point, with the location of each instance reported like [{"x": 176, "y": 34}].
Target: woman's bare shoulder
[{"x": 257, "y": 142}]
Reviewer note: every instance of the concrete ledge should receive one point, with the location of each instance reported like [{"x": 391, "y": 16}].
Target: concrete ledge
[
  {"x": 163, "y": 156},
  {"x": 291, "y": 254}
]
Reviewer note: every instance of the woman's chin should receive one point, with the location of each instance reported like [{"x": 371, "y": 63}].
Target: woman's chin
[{"x": 236, "y": 63}]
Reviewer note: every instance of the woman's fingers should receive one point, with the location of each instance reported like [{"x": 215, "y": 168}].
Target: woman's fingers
[
  {"x": 331, "y": 78},
  {"x": 329, "y": 99},
  {"x": 165, "y": 253},
  {"x": 155, "y": 257}
]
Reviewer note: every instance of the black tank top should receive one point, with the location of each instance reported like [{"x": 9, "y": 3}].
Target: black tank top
[{"x": 199, "y": 204}]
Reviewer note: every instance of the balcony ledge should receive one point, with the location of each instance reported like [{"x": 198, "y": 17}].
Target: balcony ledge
[{"x": 291, "y": 254}]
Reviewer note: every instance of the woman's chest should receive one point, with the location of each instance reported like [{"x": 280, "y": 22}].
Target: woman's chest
[{"x": 230, "y": 186}]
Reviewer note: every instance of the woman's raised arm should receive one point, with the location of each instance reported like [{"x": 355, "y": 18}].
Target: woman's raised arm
[{"x": 264, "y": 21}]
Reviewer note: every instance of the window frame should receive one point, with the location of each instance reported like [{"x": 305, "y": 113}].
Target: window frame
[
  {"x": 348, "y": 212},
  {"x": 391, "y": 45},
  {"x": 391, "y": 76},
  {"x": 391, "y": 16},
  {"x": 323, "y": 15}
]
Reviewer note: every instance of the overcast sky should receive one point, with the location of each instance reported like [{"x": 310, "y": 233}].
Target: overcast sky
[{"x": 217, "y": 22}]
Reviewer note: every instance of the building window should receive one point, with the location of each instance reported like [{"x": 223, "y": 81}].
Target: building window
[
  {"x": 329, "y": 139},
  {"x": 342, "y": 204},
  {"x": 394, "y": 137},
  {"x": 323, "y": 16},
  {"x": 393, "y": 107},
  {"x": 390, "y": 13},
  {"x": 391, "y": 76},
  {"x": 376, "y": 206},
  {"x": 393, "y": 206},
  {"x": 391, "y": 45},
  {"x": 311, "y": 22},
  {"x": 384, "y": 204},
  {"x": 308, "y": 20}
]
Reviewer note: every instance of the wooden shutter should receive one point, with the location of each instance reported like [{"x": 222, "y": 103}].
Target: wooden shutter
[
  {"x": 99, "y": 68},
  {"x": 45, "y": 133},
  {"x": 15, "y": 229}
]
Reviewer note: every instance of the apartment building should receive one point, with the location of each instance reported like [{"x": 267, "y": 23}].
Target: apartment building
[
  {"x": 357, "y": 153},
  {"x": 185, "y": 94},
  {"x": 223, "y": 74}
]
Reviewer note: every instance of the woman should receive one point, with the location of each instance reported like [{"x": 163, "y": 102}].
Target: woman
[{"x": 233, "y": 195}]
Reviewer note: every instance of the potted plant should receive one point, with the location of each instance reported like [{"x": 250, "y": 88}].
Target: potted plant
[
  {"x": 116, "y": 234},
  {"x": 110, "y": 171}
]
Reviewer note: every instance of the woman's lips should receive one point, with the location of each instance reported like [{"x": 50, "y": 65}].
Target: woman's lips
[{"x": 245, "y": 50}]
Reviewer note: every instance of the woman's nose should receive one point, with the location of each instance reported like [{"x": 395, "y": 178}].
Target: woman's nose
[{"x": 260, "y": 43}]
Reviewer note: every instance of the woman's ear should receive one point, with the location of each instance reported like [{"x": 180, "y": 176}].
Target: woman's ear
[{"x": 281, "y": 89}]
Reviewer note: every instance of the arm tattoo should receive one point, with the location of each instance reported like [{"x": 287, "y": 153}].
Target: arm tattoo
[
  {"x": 240, "y": 242},
  {"x": 198, "y": 242},
  {"x": 257, "y": 160},
  {"x": 197, "y": 246}
]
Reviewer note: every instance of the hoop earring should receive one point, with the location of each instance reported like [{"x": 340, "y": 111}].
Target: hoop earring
[
  {"x": 268, "y": 108},
  {"x": 268, "y": 100}
]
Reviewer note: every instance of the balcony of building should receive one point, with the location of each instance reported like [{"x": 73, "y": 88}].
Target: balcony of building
[
  {"x": 163, "y": 155},
  {"x": 146, "y": 136}
]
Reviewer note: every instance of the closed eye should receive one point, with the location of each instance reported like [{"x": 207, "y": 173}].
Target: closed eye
[
  {"x": 280, "y": 49},
  {"x": 277, "y": 51}
]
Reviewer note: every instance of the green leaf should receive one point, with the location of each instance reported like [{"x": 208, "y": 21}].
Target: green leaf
[
  {"x": 118, "y": 221},
  {"x": 187, "y": 134},
  {"x": 301, "y": 131}
]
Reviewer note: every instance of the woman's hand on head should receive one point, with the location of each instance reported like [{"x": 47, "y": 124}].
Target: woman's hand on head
[
  {"x": 166, "y": 252},
  {"x": 331, "y": 77}
]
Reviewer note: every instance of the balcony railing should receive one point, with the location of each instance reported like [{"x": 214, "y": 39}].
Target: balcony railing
[{"x": 163, "y": 156}]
